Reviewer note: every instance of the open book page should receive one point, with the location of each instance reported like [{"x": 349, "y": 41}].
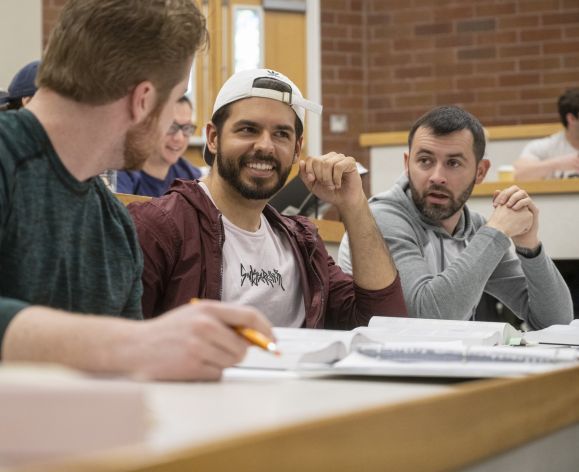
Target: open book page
[
  {"x": 370, "y": 351},
  {"x": 319, "y": 346},
  {"x": 303, "y": 346},
  {"x": 556, "y": 334},
  {"x": 421, "y": 329},
  {"x": 452, "y": 360}
]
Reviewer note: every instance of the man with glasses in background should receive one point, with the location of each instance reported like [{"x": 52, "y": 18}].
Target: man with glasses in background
[{"x": 160, "y": 170}]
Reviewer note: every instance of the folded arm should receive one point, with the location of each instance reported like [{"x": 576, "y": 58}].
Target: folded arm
[{"x": 529, "y": 167}]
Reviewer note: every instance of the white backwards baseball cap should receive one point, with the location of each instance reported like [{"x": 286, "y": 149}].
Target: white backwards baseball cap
[{"x": 246, "y": 84}]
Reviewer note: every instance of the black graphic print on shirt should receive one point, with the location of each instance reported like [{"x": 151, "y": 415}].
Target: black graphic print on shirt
[{"x": 257, "y": 277}]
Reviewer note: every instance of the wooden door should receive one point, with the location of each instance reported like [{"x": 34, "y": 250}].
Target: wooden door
[{"x": 283, "y": 43}]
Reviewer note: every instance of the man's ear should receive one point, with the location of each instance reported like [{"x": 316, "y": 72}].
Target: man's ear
[
  {"x": 298, "y": 149},
  {"x": 211, "y": 136},
  {"x": 406, "y": 159},
  {"x": 481, "y": 170},
  {"x": 143, "y": 100}
]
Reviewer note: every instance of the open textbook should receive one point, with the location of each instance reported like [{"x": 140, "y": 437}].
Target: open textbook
[
  {"x": 556, "y": 334},
  {"x": 409, "y": 347}
]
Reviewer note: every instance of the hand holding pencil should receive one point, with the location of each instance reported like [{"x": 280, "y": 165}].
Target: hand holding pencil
[
  {"x": 253, "y": 336},
  {"x": 193, "y": 341}
]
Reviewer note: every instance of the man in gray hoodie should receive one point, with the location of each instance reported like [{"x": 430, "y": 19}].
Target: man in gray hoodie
[{"x": 448, "y": 256}]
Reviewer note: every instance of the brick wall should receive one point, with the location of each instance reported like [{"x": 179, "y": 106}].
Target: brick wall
[
  {"x": 50, "y": 11},
  {"x": 344, "y": 72},
  {"x": 385, "y": 62},
  {"x": 505, "y": 61}
]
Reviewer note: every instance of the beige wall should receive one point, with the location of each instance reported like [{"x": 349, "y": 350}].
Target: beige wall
[{"x": 20, "y": 36}]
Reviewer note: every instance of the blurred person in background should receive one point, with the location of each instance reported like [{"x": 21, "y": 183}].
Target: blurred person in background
[
  {"x": 159, "y": 171},
  {"x": 556, "y": 156},
  {"x": 21, "y": 88}
]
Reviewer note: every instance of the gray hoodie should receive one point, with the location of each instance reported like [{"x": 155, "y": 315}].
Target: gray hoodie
[{"x": 444, "y": 276}]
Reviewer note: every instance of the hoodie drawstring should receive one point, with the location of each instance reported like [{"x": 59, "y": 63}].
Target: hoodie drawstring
[{"x": 441, "y": 253}]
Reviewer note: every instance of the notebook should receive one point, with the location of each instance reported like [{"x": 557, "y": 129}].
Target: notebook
[
  {"x": 409, "y": 347},
  {"x": 450, "y": 360}
]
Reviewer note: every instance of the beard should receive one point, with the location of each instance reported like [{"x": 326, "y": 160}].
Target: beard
[
  {"x": 142, "y": 142},
  {"x": 258, "y": 188},
  {"x": 436, "y": 211}
]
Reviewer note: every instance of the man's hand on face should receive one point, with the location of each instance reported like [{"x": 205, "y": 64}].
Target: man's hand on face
[
  {"x": 517, "y": 216},
  {"x": 334, "y": 179}
]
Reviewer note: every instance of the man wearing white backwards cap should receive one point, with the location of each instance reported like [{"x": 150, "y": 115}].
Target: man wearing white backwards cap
[{"x": 219, "y": 239}]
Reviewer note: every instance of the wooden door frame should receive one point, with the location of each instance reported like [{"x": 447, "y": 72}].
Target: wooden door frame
[{"x": 212, "y": 67}]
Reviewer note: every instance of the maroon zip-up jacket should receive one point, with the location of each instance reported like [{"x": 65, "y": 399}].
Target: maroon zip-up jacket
[{"x": 182, "y": 235}]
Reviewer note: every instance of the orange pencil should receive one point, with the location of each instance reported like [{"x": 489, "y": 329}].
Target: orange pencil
[
  {"x": 258, "y": 339},
  {"x": 254, "y": 337}
]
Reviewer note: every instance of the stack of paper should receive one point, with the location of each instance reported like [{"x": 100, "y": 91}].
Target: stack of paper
[
  {"x": 556, "y": 334},
  {"x": 421, "y": 329}
]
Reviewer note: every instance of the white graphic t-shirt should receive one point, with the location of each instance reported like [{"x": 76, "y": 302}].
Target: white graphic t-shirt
[
  {"x": 259, "y": 269},
  {"x": 550, "y": 147}
]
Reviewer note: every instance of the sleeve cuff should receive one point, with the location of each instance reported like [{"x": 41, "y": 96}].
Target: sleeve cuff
[
  {"x": 529, "y": 253},
  {"x": 9, "y": 308}
]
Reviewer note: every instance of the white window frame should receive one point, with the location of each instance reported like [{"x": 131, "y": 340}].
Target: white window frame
[{"x": 259, "y": 10}]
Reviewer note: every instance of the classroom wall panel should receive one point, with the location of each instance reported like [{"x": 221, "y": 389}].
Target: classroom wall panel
[{"x": 20, "y": 38}]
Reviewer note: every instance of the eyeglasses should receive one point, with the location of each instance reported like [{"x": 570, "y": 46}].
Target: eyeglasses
[{"x": 188, "y": 129}]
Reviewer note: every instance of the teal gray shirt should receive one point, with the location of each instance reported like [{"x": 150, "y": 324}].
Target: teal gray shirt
[
  {"x": 63, "y": 243},
  {"x": 444, "y": 276}
]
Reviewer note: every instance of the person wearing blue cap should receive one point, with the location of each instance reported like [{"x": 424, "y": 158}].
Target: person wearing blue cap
[{"x": 22, "y": 87}]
